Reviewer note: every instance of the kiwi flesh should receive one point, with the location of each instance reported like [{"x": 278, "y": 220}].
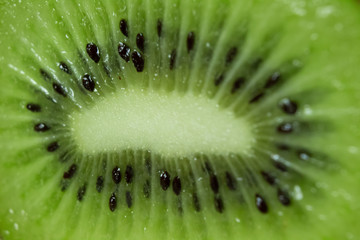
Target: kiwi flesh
[{"x": 179, "y": 119}]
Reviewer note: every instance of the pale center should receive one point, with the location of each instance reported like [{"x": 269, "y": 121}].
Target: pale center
[{"x": 167, "y": 124}]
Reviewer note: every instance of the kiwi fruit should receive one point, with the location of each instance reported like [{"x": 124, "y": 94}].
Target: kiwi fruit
[{"x": 179, "y": 119}]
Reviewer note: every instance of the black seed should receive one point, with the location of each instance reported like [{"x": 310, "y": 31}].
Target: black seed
[
  {"x": 116, "y": 175},
  {"x": 128, "y": 199},
  {"x": 138, "y": 61},
  {"x": 285, "y": 128},
  {"x": 81, "y": 193},
  {"x": 219, "y": 204},
  {"x": 268, "y": 177},
  {"x": 261, "y": 204},
  {"x": 214, "y": 184},
  {"x": 257, "y": 97},
  {"x": 288, "y": 106},
  {"x": 303, "y": 155},
  {"x": 140, "y": 41},
  {"x": 45, "y": 75},
  {"x": 124, "y": 27},
  {"x": 93, "y": 52},
  {"x": 283, "y": 147},
  {"x": 33, "y": 107},
  {"x": 59, "y": 89},
  {"x": 159, "y": 27},
  {"x": 164, "y": 180},
  {"x": 177, "y": 185},
  {"x": 238, "y": 84},
  {"x": 70, "y": 173},
  {"x": 283, "y": 197},
  {"x": 172, "y": 59},
  {"x": 41, "y": 127},
  {"x": 219, "y": 80},
  {"x": 52, "y": 147},
  {"x": 273, "y": 79},
  {"x": 124, "y": 51},
  {"x": 282, "y": 167},
  {"x": 112, "y": 202},
  {"x": 88, "y": 82},
  {"x": 99, "y": 184},
  {"x": 147, "y": 189},
  {"x": 231, "y": 54},
  {"x": 196, "y": 202},
  {"x": 190, "y": 41},
  {"x": 230, "y": 181},
  {"x": 64, "y": 67},
  {"x": 129, "y": 174}
]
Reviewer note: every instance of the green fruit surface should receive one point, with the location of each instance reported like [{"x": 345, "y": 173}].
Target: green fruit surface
[{"x": 181, "y": 117}]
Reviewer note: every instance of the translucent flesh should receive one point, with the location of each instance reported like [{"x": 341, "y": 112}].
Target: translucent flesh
[{"x": 315, "y": 42}]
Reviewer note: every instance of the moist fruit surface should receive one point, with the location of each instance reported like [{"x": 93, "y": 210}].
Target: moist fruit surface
[{"x": 179, "y": 119}]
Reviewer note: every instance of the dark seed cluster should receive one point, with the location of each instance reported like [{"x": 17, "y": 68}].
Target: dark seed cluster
[
  {"x": 129, "y": 174},
  {"x": 88, "y": 83},
  {"x": 70, "y": 173},
  {"x": 64, "y": 67},
  {"x": 268, "y": 177},
  {"x": 177, "y": 185},
  {"x": 138, "y": 61},
  {"x": 273, "y": 80},
  {"x": 257, "y": 97},
  {"x": 261, "y": 203},
  {"x": 124, "y": 27},
  {"x": 190, "y": 41},
  {"x": 172, "y": 59},
  {"x": 93, "y": 52},
  {"x": 128, "y": 198},
  {"x": 41, "y": 127},
  {"x": 214, "y": 183},
  {"x": 99, "y": 184},
  {"x": 280, "y": 166},
  {"x": 116, "y": 175},
  {"x": 124, "y": 51},
  {"x": 287, "y": 105},
  {"x": 239, "y": 82},
  {"x": 52, "y": 147},
  {"x": 285, "y": 128},
  {"x": 283, "y": 197},
  {"x": 33, "y": 107},
  {"x": 140, "y": 41},
  {"x": 164, "y": 180},
  {"x": 304, "y": 155},
  {"x": 112, "y": 202},
  {"x": 81, "y": 192},
  {"x": 230, "y": 181},
  {"x": 59, "y": 89},
  {"x": 159, "y": 27},
  {"x": 219, "y": 204}
]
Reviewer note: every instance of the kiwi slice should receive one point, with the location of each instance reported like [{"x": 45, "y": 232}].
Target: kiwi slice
[{"x": 179, "y": 119}]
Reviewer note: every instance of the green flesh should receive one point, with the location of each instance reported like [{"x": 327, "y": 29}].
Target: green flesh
[{"x": 180, "y": 120}]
